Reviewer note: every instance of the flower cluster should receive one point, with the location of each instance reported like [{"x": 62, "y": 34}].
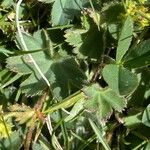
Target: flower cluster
[{"x": 138, "y": 12}]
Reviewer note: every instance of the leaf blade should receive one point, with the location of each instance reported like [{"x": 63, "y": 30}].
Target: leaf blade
[
  {"x": 63, "y": 11},
  {"x": 146, "y": 116},
  {"x": 125, "y": 38},
  {"x": 138, "y": 56},
  {"x": 120, "y": 79},
  {"x": 103, "y": 101}
]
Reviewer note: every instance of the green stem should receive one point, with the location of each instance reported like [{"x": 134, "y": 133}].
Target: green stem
[
  {"x": 64, "y": 132},
  {"x": 69, "y": 101},
  {"x": 124, "y": 4},
  {"x": 60, "y": 27}
]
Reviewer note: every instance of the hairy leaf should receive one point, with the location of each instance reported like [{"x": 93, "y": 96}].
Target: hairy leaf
[
  {"x": 103, "y": 101},
  {"x": 88, "y": 42},
  {"x": 61, "y": 72},
  {"x": 34, "y": 42},
  {"x": 73, "y": 36}
]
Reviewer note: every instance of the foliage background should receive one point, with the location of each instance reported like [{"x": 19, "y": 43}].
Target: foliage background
[{"x": 74, "y": 74}]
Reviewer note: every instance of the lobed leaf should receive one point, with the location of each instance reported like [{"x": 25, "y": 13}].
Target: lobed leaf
[
  {"x": 103, "y": 101},
  {"x": 61, "y": 71},
  {"x": 87, "y": 42}
]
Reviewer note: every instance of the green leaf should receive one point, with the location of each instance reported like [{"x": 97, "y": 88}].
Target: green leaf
[
  {"x": 147, "y": 147},
  {"x": 15, "y": 141},
  {"x": 86, "y": 42},
  {"x": 61, "y": 72},
  {"x": 73, "y": 36},
  {"x": 103, "y": 101},
  {"x": 125, "y": 38},
  {"x": 112, "y": 11},
  {"x": 34, "y": 42},
  {"x": 13, "y": 79},
  {"x": 139, "y": 96},
  {"x": 146, "y": 116},
  {"x": 63, "y": 11},
  {"x": 139, "y": 56},
  {"x": 7, "y": 3},
  {"x": 66, "y": 72},
  {"x": 120, "y": 79},
  {"x": 133, "y": 121},
  {"x": 114, "y": 30}
]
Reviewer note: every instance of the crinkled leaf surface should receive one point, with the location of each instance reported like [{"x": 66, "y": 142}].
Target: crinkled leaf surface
[
  {"x": 87, "y": 42},
  {"x": 146, "y": 116},
  {"x": 103, "y": 101},
  {"x": 63, "y": 11},
  {"x": 66, "y": 72},
  {"x": 139, "y": 56},
  {"x": 73, "y": 36},
  {"x": 59, "y": 71},
  {"x": 125, "y": 38},
  {"x": 120, "y": 79}
]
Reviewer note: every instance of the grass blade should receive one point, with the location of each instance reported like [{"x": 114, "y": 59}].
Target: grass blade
[{"x": 99, "y": 135}]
